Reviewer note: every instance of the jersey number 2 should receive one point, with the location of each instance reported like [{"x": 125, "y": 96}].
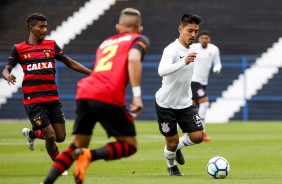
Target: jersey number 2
[{"x": 105, "y": 64}]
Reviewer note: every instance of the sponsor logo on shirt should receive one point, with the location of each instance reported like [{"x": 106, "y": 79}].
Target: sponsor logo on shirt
[
  {"x": 115, "y": 41},
  {"x": 39, "y": 66}
]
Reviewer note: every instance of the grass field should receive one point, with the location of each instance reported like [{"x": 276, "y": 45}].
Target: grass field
[{"x": 254, "y": 151}]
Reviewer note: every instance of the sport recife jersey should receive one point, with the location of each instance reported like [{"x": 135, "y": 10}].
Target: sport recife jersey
[
  {"x": 175, "y": 92},
  {"x": 108, "y": 80},
  {"x": 38, "y": 64},
  {"x": 206, "y": 57}
]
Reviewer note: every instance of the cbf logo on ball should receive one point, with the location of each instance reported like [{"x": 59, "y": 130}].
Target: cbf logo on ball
[{"x": 218, "y": 167}]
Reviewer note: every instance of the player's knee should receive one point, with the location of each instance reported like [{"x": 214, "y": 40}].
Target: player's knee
[
  {"x": 197, "y": 138},
  {"x": 172, "y": 144},
  {"x": 50, "y": 137},
  {"x": 60, "y": 138}
]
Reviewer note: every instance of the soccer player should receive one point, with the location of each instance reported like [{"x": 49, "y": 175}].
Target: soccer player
[
  {"x": 101, "y": 97},
  {"x": 173, "y": 100},
  {"x": 40, "y": 97},
  {"x": 207, "y": 55}
]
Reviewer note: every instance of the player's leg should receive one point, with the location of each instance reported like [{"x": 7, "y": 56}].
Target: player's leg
[
  {"x": 34, "y": 112},
  {"x": 190, "y": 123},
  {"x": 57, "y": 119},
  {"x": 168, "y": 128},
  {"x": 82, "y": 130},
  {"x": 202, "y": 110},
  {"x": 201, "y": 101},
  {"x": 50, "y": 144},
  {"x": 118, "y": 124}
]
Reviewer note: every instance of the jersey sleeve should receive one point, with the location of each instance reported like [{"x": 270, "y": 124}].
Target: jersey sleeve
[
  {"x": 216, "y": 61},
  {"x": 59, "y": 53},
  {"x": 14, "y": 57},
  {"x": 141, "y": 43},
  {"x": 167, "y": 65}
]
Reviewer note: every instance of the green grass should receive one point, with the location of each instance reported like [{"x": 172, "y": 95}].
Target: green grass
[{"x": 254, "y": 151}]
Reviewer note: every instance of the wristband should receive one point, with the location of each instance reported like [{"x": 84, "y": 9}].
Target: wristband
[{"x": 136, "y": 90}]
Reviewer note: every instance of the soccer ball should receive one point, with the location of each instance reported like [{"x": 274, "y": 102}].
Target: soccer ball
[{"x": 218, "y": 167}]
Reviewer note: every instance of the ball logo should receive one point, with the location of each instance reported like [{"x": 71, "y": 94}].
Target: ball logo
[{"x": 39, "y": 66}]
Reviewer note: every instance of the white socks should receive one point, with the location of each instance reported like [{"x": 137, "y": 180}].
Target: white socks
[
  {"x": 202, "y": 111},
  {"x": 170, "y": 156},
  {"x": 184, "y": 141}
]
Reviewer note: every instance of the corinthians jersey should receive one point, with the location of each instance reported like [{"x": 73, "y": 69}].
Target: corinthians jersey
[
  {"x": 206, "y": 57},
  {"x": 175, "y": 92}
]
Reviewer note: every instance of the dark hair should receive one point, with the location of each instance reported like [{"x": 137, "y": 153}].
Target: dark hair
[
  {"x": 204, "y": 32},
  {"x": 32, "y": 19},
  {"x": 190, "y": 18}
]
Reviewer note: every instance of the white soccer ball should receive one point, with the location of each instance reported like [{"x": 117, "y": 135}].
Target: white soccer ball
[{"x": 218, "y": 167}]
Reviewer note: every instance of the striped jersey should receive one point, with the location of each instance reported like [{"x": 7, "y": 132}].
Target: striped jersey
[
  {"x": 38, "y": 64},
  {"x": 108, "y": 80}
]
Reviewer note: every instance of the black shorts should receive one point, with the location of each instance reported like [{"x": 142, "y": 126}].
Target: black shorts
[
  {"x": 188, "y": 120},
  {"x": 42, "y": 114},
  {"x": 115, "y": 120},
  {"x": 198, "y": 91}
]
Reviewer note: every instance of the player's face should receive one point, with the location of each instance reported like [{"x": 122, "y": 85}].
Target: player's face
[
  {"x": 39, "y": 30},
  {"x": 204, "y": 40},
  {"x": 188, "y": 34}
]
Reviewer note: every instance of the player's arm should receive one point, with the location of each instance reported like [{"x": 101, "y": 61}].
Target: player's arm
[
  {"x": 217, "y": 62},
  {"x": 74, "y": 65},
  {"x": 13, "y": 60},
  {"x": 135, "y": 57},
  {"x": 70, "y": 63},
  {"x": 10, "y": 78}
]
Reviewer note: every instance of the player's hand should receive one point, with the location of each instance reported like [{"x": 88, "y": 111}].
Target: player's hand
[
  {"x": 190, "y": 58},
  {"x": 217, "y": 69},
  {"x": 11, "y": 79},
  {"x": 136, "y": 106}
]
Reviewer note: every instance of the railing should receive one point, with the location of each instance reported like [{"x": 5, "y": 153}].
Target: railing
[{"x": 152, "y": 61}]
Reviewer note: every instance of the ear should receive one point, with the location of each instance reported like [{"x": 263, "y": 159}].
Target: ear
[
  {"x": 140, "y": 29},
  {"x": 29, "y": 28},
  {"x": 180, "y": 29},
  {"x": 118, "y": 28}
]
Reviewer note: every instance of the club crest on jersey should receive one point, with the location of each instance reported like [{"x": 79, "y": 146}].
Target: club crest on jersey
[
  {"x": 197, "y": 120},
  {"x": 38, "y": 121},
  {"x": 47, "y": 53},
  {"x": 165, "y": 127},
  {"x": 39, "y": 66}
]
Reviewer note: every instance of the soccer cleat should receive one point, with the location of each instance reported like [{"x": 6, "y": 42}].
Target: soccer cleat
[
  {"x": 206, "y": 137},
  {"x": 174, "y": 171},
  {"x": 65, "y": 173},
  {"x": 179, "y": 157},
  {"x": 29, "y": 141},
  {"x": 83, "y": 159}
]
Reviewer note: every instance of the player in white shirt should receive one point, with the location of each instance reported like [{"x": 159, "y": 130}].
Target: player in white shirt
[
  {"x": 173, "y": 100},
  {"x": 207, "y": 56}
]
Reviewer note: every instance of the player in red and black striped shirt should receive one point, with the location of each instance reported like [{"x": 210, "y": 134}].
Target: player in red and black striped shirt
[
  {"x": 101, "y": 97},
  {"x": 37, "y": 58}
]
